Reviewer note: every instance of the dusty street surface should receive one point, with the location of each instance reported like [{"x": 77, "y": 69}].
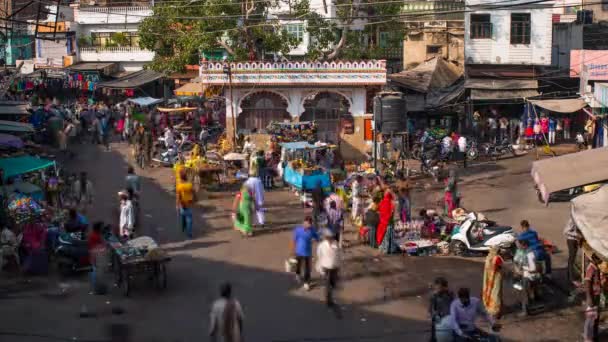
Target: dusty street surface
[{"x": 384, "y": 298}]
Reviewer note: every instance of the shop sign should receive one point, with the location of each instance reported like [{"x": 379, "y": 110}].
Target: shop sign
[{"x": 596, "y": 62}]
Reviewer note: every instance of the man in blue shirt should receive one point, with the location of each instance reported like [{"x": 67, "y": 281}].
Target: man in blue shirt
[
  {"x": 302, "y": 248},
  {"x": 535, "y": 244}
]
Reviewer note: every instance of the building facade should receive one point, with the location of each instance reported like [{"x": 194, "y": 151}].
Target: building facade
[
  {"x": 108, "y": 33},
  {"x": 506, "y": 49},
  {"x": 430, "y": 36},
  {"x": 258, "y": 93}
]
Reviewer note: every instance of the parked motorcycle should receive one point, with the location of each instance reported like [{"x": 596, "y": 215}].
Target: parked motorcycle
[
  {"x": 72, "y": 253},
  {"x": 496, "y": 151},
  {"x": 480, "y": 236}
]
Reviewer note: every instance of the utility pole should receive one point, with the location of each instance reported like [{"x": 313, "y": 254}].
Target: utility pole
[{"x": 228, "y": 71}]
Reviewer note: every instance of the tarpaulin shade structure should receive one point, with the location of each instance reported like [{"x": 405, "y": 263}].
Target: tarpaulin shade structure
[
  {"x": 133, "y": 80},
  {"x": 145, "y": 101},
  {"x": 176, "y": 110},
  {"x": 483, "y": 94},
  {"x": 104, "y": 68},
  {"x": 21, "y": 165},
  {"x": 9, "y": 140},
  {"x": 436, "y": 73},
  {"x": 20, "y": 109},
  {"x": 561, "y": 105},
  {"x": 190, "y": 89},
  {"x": 589, "y": 214},
  {"x": 570, "y": 170},
  {"x": 15, "y": 127}
]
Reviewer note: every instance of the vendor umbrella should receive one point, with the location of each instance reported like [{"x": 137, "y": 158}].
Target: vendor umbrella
[{"x": 9, "y": 140}]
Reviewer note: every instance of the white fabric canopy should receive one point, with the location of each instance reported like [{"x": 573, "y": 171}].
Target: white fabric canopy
[{"x": 589, "y": 214}]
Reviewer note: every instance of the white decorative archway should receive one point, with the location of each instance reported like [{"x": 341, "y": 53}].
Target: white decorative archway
[{"x": 240, "y": 100}]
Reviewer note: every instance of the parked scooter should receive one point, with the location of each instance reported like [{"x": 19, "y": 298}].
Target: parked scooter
[{"x": 480, "y": 235}]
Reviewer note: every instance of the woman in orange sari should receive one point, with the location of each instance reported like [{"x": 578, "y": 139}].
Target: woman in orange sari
[
  {"x": 385, "y": 211},
  {"x": 492, "y": 282}
]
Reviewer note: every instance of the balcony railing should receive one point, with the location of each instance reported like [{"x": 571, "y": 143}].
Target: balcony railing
[
  {"x": 115, "y": 54},
  {"x": 111, "y": 15}
]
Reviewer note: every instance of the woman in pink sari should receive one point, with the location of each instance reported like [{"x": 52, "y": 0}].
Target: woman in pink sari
[{"x": 385, "y": 211}]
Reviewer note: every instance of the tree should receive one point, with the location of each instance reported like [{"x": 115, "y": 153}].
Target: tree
[
  {"x": 246, "y": 30},
  {"x": 178, "y": 32},
  {"x": 354, "y": 33}
]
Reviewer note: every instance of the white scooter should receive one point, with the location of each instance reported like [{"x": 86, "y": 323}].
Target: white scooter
[{"x": 480, "y": 235}]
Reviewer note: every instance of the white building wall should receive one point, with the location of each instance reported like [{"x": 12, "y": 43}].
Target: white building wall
[
  {"x": 111, "y": 15},
  {"x": 295, "y": 98},
  {"x": 113, "y": 19},
  {"x": 498, "y": 49}
]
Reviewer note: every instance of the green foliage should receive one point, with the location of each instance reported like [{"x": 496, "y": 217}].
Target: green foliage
[
  {"x": 84, "y": 41},
  {"x": 119, "y": 38},
  {"x": 179, "y": 31}
]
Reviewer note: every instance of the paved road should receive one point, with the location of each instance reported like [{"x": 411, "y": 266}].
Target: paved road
[{"x": 384, "y": 297}]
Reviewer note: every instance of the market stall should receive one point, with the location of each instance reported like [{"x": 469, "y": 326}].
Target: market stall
[
  {"x": 177, "y": 116},
  {"x": 18, "y": 128},
  {"x": 299, "y": 167},
  {"x": 570, "y": 171},
  {"x": 16, "y": 166},
  {"x": 293, "y": 131}
]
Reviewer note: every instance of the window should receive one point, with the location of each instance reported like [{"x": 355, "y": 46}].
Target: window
[
  {"x": 520, "y": 28},
  {"x": 105, "y": 39},
  {"x": 604, "y": 6},
  {"x": 433, "y": 49},
  {"x": 296, "y": 30},
  {"x": 481, "y": 27}
]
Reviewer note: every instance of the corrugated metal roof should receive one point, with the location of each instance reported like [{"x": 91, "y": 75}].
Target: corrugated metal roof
[
  {"x": 90, "y": 66},
  {"x": 500, "y": 84},
  {"x": 433, "y": 74},
  {"x": 134, "y": 80}
]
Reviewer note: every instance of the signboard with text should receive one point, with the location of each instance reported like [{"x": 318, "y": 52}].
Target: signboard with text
[{"x": 595, "y": 61}]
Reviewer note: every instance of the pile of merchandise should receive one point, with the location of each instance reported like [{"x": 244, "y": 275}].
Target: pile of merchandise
[
  {"x": 290, "y": 132},
  {"x": 23, "y": 209}
]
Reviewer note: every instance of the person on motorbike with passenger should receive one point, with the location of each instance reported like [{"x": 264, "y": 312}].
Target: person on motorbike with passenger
[
  {"x": 535, "y": 244},
  {"x": 527, "y": 265},
  {"x": 464, "y": 312}
]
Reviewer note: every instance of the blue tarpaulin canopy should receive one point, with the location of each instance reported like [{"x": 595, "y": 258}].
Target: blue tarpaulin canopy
[
  {"x": 298, "y": 145},
  {"x": 20, "y": 165}
]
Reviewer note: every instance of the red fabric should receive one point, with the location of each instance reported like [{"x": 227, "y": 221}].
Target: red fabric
[
  {"x": 120, "y": 125},
  {"x": 94, "y": 241},
  {"x": 385, "y": 210},
  {"x": 34, "y": 236}
]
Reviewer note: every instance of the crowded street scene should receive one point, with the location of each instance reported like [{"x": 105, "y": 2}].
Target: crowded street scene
[{"x": 280, "y": 171}]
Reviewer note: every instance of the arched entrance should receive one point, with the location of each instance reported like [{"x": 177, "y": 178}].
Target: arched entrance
[
  {"x": 325, "y": 109},
  {"x": 259, "y": 109}
]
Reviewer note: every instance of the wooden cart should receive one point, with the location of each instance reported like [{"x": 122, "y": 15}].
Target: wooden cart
[{"x": 129, "y": 264}]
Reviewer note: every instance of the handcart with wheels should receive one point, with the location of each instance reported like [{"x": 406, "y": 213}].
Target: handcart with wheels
[{"x": 138, "y": 258}]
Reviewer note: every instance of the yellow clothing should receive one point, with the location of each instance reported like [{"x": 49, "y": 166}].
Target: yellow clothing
[
  {"x": 591, "y": 187},
  {"x": 185, "y": 193}
]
